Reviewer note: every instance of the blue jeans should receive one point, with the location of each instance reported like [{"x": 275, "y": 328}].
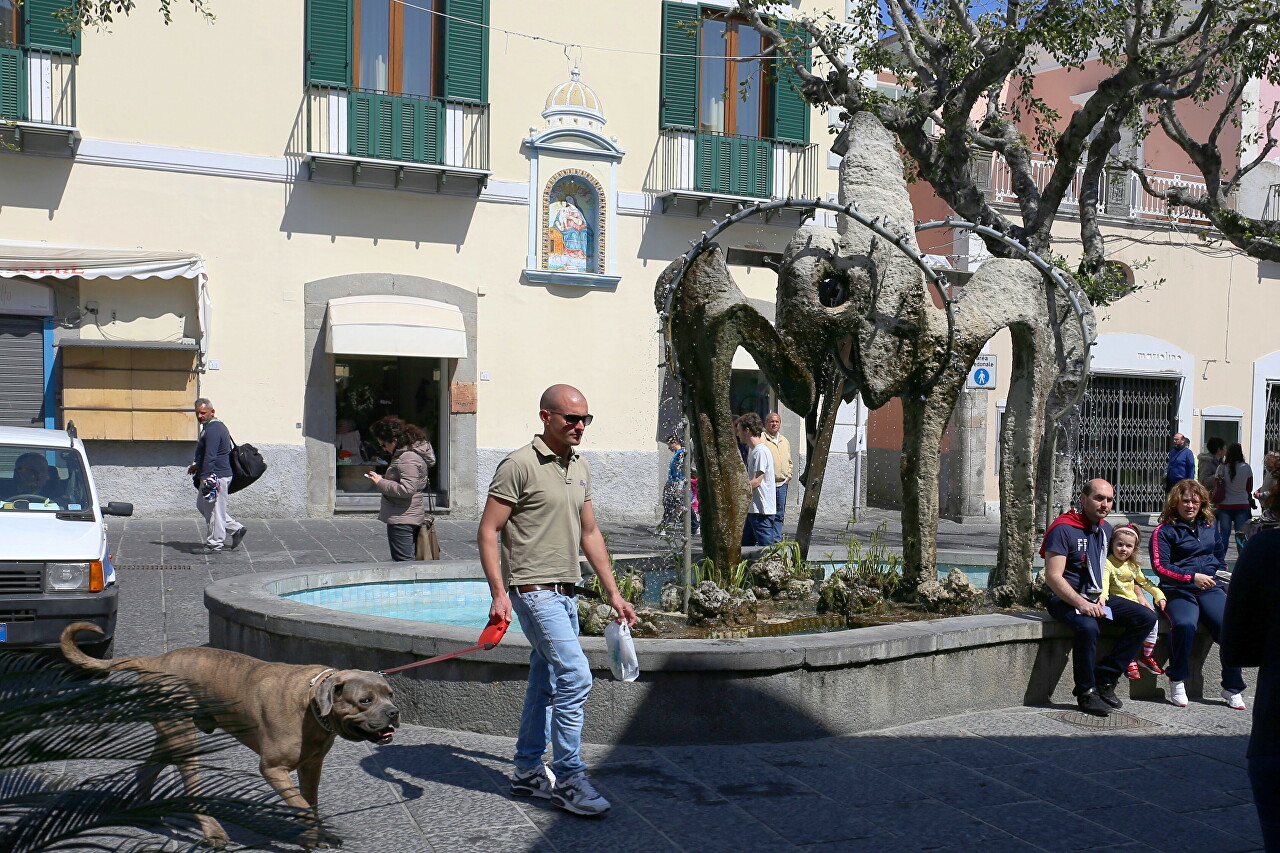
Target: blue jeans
[
  {"x": 759, "y": 530},
  {"x": 559, "y": 681},
  {"x": 781, "y": 493},
  {"x": 1226, "y": 519},
  {"x": 402, "y": 539},
  {"x": 1186, "y": 609}
]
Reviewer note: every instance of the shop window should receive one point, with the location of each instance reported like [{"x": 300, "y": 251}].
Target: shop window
[{"x": 129, "y": 394}]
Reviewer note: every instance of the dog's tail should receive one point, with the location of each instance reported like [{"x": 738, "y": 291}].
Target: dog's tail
[{"x": 73, "y": 653}]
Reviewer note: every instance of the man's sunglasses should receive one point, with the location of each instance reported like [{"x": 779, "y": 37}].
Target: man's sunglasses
[{"x": 572, "y": 420}]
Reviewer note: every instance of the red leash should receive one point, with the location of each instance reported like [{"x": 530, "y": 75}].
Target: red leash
[{"x": 489, "y": 637}]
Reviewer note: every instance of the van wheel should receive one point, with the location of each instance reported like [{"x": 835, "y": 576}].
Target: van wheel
[{"x": 102, "y": 650}]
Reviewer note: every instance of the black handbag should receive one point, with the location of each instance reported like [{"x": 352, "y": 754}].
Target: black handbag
[{"x": 247, "y": 465}]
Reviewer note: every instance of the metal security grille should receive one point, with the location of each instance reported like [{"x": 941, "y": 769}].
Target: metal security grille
[
  {"x": 21, "y": 371},
  {"x": 1125, "y": 426},
  {"x": 1271, "y": 429}
]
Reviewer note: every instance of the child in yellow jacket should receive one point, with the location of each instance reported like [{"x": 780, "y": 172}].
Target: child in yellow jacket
[{"x": 1120, "y": 577}]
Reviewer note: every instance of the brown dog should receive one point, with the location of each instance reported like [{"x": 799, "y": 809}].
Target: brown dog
[{"x": 287, "y": 714}]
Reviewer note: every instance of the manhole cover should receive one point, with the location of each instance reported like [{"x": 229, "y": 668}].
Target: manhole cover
[
  {"x": 156, "y": 567},
  {"x": 1117, "y": 720}
]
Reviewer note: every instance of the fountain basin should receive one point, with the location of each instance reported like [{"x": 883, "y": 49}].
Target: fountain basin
[{"x": 689, "y": 691}]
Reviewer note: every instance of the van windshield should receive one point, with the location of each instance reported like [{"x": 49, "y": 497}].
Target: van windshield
[{"x": 42, "y": 479}]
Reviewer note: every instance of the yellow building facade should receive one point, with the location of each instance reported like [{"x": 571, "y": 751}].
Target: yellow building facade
[{"x": 315, "y": 214}]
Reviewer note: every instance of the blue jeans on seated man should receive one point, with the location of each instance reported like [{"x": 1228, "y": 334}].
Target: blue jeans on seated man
[
  {"x": 559, "y": 681},
  {"x": 1135, "y": 622}
]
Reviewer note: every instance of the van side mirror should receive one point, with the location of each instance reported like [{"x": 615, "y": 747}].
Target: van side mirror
[{"x": 117, "y": 508}]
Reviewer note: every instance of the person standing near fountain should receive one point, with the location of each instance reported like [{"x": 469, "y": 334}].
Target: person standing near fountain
[
  {"x": 1075, "y": 549},
  {"x": 537, "y": 517},
  {"x": 780, "y": 448},
  {"x": 759, "y": 529}
]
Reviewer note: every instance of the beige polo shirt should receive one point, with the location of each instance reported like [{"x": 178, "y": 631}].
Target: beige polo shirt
[
  {"x": 781, "y": 450},
  {"x": 541, "y": 540}
]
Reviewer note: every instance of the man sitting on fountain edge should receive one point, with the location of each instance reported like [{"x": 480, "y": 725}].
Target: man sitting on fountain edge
[{"x": 1075, "y": 551}]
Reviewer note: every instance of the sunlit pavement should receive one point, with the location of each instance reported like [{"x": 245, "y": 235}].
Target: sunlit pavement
[{"x": 1017, "y": 779}]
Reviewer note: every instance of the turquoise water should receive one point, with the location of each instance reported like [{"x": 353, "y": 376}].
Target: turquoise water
[
  {"x": 465, "y": 603},
  {"x": 978, "y": 575},
  {"x": 461, "y": 603}
]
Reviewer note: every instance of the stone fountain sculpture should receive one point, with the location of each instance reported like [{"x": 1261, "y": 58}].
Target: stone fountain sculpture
[{"x": 854, "y": 315}]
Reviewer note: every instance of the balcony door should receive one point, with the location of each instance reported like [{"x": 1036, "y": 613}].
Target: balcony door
[
  {"x": 397, "y": 47},
  {"x": 732, "y": 97}
]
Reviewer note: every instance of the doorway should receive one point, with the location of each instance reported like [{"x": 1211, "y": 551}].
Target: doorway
[{"x": 367, "y": 388}]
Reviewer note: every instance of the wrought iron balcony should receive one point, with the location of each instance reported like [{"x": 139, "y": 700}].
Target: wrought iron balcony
[
  {"x": 395, "y": 137},
  {"x": 38, "y": 98},
  {"x": 711, "y": 168},
  {"x": 1122, "y": 193}
]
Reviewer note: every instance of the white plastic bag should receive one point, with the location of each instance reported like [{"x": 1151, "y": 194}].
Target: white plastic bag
[{"x": 622, "y": 651}]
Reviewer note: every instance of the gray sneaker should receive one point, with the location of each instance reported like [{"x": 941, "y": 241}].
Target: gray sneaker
[
  {"x": 537, "y": 784},
  {"x": 576, "y": 794}
]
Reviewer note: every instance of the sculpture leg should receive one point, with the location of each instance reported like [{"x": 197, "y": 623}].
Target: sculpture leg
[
  {"x": 1024, "y": 422},
  {"x": 816, "y": 461},
  {"x": 924, "y": 420}
]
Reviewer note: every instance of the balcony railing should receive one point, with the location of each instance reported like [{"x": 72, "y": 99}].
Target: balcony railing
[
  {"x": 37, "y": 86},
  {"x": 731, "y": 165},
  {"x": 1121, "y": 193},
  {"x": 364, "y": 123}
]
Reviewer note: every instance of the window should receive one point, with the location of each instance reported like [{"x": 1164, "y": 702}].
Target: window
[
  {"x": 9, "y": 22},
  {"x": 396, "y": 47},
  {"x": 716, "y": 93},
  {"x": 390, "y": 46},
  {"x": 732, "y": 96}
]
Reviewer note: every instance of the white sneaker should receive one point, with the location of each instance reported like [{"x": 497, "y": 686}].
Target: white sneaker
[
  {"x": 576, "y": 794},
  {"x": 1234, "y": 700},
  {"x": 537, "y": 784},
  {"x": 1178, "y": 693}
]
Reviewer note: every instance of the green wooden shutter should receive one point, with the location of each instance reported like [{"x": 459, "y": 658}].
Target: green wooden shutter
[
  {"x": 13, "y": 85},
  {"x": 678, "y": 102},
  {"x": 42, "y": 30},
  {"x": 393, "y": 128},
  {"x": 790, "y": 110},
  {"x": 466, "y": 50},
  {"x": 329, "y": 42},
  {"x": 733, "y": 165}
]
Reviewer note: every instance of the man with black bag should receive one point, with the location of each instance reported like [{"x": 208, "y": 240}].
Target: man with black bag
[{"x": 211, "y": 474}]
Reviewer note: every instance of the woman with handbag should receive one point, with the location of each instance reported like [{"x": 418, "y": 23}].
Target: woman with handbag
[
  {"x": 401, "y": 486},
  {"x": 1232, "y": 484}
]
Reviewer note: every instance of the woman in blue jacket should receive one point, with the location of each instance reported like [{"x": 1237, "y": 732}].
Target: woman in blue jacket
[{"x": 1183, "y": 555}]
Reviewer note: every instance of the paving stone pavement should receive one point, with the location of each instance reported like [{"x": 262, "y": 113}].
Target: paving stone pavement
[{"x": 1016, "y": 779}]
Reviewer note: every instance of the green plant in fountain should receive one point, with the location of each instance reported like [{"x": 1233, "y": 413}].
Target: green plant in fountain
[
  {"x": 738, "y": 576},
  {"x": 791, "y": 555},
  {"x": 873, "y": 565}
]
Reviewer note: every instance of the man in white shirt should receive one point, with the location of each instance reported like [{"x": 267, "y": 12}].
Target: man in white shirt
[{"x": 759, "y": 529}]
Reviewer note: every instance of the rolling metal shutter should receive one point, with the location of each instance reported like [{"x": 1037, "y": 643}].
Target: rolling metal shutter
[
  {"x": 21, "y": 371},
  {"x": 1125, "y": 426}
]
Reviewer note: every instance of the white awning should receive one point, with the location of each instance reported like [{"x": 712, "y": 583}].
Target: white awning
[
  {"x": 50, "y": 260},
  {"x": 395, "y": 325}
]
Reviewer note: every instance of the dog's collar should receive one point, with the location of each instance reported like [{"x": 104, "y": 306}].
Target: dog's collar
[{"x": 320, "y": 676}]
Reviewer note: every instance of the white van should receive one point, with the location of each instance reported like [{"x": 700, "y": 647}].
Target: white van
[{"x": 54, "y": 566}]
